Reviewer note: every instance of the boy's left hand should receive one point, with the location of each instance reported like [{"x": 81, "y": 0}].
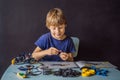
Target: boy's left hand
[{"x": 64, "y": 56}]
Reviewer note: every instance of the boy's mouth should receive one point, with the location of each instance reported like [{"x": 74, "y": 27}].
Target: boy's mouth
[{"x": 58, "y": 35}]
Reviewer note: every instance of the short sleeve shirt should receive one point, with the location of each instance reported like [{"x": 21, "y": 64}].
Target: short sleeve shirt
[{"x": 46, "y": 41}]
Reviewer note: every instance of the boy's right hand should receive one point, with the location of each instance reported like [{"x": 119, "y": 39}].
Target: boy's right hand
[{"x": 53, "y": 51}]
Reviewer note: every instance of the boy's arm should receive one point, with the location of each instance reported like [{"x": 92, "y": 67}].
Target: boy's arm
[
  {"x": 66, "y": 56},
  {"x": 38, "y": 53},
  {"x": 70, "y": 57}
]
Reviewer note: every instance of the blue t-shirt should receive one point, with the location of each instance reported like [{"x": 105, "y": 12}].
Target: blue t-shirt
[{"x": 46, "y": 41}]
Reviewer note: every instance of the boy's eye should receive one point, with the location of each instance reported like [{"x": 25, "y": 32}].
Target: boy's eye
[{"x": 60, "y": 27}]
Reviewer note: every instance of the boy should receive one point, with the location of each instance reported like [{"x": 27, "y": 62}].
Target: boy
[{"x": 55, "y": 45}]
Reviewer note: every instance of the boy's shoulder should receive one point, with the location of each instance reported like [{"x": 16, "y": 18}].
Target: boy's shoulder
[{"x": 46, "y": 35}]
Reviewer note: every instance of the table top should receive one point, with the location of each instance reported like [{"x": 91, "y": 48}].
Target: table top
[{"x": 10, "y": 74}]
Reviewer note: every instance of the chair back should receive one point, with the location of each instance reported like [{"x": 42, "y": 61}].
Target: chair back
[{"x": 76, "y": 42}]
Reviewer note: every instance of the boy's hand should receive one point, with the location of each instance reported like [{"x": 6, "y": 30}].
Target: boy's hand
[
  {"x": 64, "y": 56},
  {"x": 53, "y": 51}
]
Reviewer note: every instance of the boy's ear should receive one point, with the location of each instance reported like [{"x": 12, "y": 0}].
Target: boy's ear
[
  {"x": 65, "y": 25},
  {"x": 48, "y": 28}
]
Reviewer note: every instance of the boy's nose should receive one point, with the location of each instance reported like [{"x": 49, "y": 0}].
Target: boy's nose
[{"x": 57, "y": 30}]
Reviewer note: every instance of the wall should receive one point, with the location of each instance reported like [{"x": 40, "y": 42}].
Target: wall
[{"x": 95, "y": 23}]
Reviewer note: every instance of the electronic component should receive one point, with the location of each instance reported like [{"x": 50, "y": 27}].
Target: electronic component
[
  {"x": 21, "y": 75},
  {"x": 23, "y": 58},
  {"x": 47, "y": 71},
  {"x": 68, "y": 72},
  {"x": 89, "y": 71}
]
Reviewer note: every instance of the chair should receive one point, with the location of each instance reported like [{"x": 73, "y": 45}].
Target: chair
[{"x": 76, "y": 42}]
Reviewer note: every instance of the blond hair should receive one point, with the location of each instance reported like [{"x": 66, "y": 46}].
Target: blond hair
[{"x": 55, "y": 17}]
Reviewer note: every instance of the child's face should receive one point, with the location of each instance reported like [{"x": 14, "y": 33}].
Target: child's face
[{"x": 57, "y": 31}]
